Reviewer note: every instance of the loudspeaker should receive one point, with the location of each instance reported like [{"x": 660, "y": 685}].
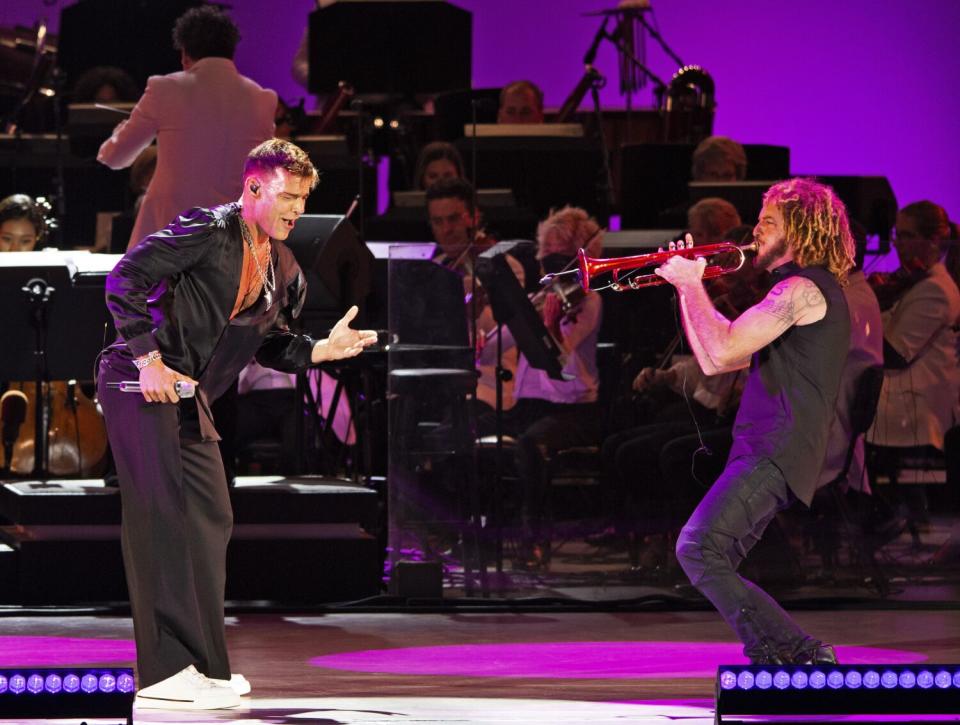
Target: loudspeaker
[{"x": 337, "y": 267}]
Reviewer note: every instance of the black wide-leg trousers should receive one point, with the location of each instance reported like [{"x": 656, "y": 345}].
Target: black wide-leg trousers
[{"x": 176, "y": 525}]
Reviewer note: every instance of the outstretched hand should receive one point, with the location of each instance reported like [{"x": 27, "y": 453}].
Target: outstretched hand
[{"x": 343, "y": 341}]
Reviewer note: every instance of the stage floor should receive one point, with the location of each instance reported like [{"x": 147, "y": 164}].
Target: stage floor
[{"x": 479, "y": 667}]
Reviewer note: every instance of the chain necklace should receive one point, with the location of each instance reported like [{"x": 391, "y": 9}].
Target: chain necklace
[{"x": 268, "y": 278}]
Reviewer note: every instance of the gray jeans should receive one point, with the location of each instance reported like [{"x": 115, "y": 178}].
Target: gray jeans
[{"x": 730, "y": 519}]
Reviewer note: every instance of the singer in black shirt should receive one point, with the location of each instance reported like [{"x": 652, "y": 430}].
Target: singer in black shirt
[{"x": 195, "y": 302}]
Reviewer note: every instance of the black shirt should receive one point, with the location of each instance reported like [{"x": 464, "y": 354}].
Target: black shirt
[
  {"x": 790, "y": 395},
  {"x": 174, "y": 292}
]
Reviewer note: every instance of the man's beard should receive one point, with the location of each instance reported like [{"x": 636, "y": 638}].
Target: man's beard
[{"x": 769, "y": 253}]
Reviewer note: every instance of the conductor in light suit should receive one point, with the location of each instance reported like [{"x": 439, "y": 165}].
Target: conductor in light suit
[{"x": 205, "y": 119}]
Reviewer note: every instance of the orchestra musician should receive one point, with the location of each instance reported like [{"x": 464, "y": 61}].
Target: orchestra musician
[
  {"x": 549, "y": 414},
  {"x": 795, "y": 342},
  {"x": 921, "y": 303},
  {"x": 195, "y": 302}
]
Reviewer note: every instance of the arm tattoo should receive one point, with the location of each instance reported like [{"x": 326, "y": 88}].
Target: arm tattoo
[{"x": 787, "y": 308}]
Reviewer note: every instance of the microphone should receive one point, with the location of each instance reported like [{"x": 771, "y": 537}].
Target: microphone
[
  {"x": 13, "y": 411},
  {"x": 182, "y": 388}
]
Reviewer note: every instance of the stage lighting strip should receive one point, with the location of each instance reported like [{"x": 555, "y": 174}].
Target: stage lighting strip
[
  {"x": 868, "y": 677},
  {"x": 70, "y": 683}
]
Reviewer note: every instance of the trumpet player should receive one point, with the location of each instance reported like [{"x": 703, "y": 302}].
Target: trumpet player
[{"x": 795, "y": 342}]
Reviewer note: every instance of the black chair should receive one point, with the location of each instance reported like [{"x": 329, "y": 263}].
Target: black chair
[{"x": 836, "y": 515}]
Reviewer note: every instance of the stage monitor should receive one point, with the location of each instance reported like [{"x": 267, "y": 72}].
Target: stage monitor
[
  {"x": 381, "y": 46},
  {"x": 336, "y": 264}
]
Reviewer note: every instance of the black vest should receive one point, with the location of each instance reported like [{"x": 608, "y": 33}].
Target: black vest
[{"x": 790, "y": 395}]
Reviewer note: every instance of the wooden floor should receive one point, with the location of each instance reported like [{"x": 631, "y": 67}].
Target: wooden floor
[{"x": 507, "y": 667}]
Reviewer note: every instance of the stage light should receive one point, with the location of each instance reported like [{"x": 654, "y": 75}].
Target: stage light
[
  {"x": 840, "y": 690},
  {"x": 764, "y": 679},
  {"x": 71, "y": 683},
  {"x": 53, "y": 684},
  {"x": 41, "y": 693}
]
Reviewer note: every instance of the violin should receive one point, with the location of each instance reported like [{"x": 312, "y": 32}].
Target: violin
[
  {"x": 76, "y": 441},
  {"x": 890, "y": 287}
]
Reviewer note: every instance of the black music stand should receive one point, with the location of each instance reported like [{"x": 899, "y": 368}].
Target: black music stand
[
  {"x": 62, "y": 313},
  {"x": 402, "y": 48},
  {"x": 338, "y": 268}
]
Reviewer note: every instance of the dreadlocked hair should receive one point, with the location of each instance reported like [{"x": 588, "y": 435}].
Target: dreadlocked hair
[{"x": 815, "y": 225}]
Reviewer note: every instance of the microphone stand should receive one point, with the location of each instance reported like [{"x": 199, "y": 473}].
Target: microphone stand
[{"x": 604, "y": 177}]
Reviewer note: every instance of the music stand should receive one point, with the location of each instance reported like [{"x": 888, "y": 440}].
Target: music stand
[
  {"x": 403, "y": 48},
  {"x": 50, "y": 300}
]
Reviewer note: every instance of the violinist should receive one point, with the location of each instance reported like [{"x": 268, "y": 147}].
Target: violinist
[
  {"x": 921, "y": 377},
  {"x": 550, "y": 415}
]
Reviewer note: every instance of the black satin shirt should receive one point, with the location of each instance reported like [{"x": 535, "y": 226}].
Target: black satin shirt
[{"x": 175, "y": 290}]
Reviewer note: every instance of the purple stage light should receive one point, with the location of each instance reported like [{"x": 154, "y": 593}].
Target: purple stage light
[
  {"x": 728, "y": 680},
  {"x": 956, "y": 678},
  {"x": 745, "y": 680},
  {"x": 853, "y": 679},
  {"x": 844, "y": 689},
  {"x": 53, "y": 684},
  {"x": 125, "y": 683},
  {"x": 71, "y": 683},
  {"x": 907, "y": 679},
  {"x": 3, "y": 684},
  {"x": 18, "y": 683},
  {"x": 35, "y": 684},
  {"x": 89, "y": 683},
  {"x": 107, "y": 683},
  {"x": 764, "y": 680}
]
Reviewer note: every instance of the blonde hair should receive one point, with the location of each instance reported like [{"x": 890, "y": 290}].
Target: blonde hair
[
  {"x": 574, "y": 228},
  {"x": 815, "y": 225}
]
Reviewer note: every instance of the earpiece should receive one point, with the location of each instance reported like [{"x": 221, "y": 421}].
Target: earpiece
[{"x": 254, "y": 188}]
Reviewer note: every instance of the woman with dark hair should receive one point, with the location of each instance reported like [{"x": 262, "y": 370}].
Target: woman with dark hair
[
  {"x": 438, "y": 160},
  {"x": 23, "y": 223}
]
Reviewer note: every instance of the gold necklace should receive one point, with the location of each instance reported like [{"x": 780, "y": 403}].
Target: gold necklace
[{"x": 268, "y": 279}]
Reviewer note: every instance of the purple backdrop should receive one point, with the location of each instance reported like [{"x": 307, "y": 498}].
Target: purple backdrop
[{"x": 852, "y": 87}]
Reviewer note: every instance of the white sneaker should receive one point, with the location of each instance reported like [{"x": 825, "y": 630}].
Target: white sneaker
[
  {"x": 237, "y": 683},
  {"x": 187, "y": 690}
]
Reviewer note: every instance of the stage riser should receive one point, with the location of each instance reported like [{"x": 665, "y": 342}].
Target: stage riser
[
  {"x": 292, "y": 500},
  {"x": 291, "y": 566},
  {"x": 297, "y": 540}
]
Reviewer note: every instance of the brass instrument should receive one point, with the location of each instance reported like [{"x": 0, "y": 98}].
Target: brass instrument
[{"x": 590, "y": 267}]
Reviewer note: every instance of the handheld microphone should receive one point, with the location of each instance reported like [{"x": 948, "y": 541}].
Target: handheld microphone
[{"x": 182, "y": 388}]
